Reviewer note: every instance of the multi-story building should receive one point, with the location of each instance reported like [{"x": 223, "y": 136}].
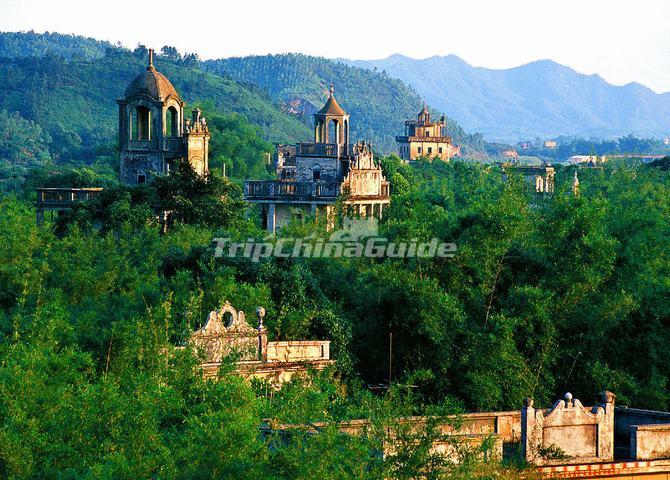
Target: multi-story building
[
  {"x": 313, "y": 175},
  {"x": 153, "y": 134},
  {"x": 425, "y": 138}
]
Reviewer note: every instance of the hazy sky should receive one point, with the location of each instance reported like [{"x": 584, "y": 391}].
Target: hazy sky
[{"x": 622, "y": 40}]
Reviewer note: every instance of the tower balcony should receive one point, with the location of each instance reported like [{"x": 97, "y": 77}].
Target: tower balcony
[
  {"x": 334, "y": 150},
  {"x": 259, "y": 190}
]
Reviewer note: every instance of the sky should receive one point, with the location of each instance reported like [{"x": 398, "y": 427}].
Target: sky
[{"x": 622, "y": 40}]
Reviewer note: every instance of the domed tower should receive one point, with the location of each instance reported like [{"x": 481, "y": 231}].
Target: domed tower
[
  {"x": 153, "y": 134},
  {"x": 331, "y": 123}
]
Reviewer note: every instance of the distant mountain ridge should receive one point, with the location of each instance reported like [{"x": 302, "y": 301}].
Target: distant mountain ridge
[{"x": 539, "y": 99}]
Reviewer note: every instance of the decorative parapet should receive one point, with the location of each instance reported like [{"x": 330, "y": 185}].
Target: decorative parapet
[
  {"x": 227, "y": 332},
  {"x": 569, "y": 433}
]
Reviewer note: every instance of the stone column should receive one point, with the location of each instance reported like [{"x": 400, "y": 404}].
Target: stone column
[
  {"x": 606, "y": 401},
  {"x": 529, "y": 441},
  {"x": 271, "y": 226},
  {"x": 313, "y": 209}
]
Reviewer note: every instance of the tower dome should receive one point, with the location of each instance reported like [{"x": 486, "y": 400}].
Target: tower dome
[
  {"x": 332, "y": 107},
  {"x": 151, "y": 83}
]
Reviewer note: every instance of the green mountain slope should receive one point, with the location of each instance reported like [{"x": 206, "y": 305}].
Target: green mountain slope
[
  {"x": 74, "y": 101},
  {"x": 378, "y": 104}
]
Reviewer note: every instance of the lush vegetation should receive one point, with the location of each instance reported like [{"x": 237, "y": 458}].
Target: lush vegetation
[{"x": 544, "y": 294}]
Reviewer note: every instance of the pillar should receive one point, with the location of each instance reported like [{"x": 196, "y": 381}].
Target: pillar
[
  {"x": 313, "y": 209},
  {"x": 271, "y": 222}
]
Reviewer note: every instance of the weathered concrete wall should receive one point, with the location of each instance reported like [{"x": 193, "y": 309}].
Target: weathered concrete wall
[
  {"x": 329, "y": 167},
  {"x": 650, "y": 442},
  {"x": 569, "y": 433}
]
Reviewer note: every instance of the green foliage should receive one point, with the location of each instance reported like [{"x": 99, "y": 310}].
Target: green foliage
[{"x": 92, "y": 384}]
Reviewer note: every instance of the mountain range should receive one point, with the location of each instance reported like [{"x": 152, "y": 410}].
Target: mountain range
[{"x": 540, "y": 99}]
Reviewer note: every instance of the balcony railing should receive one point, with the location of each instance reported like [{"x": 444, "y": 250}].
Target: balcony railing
[
  {"x": 64, "y": 197},
  {"x": 322, "y": 150},
  {"x": 269, "y": 189}
]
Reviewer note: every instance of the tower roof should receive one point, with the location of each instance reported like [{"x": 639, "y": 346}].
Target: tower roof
[
  {"x": 332, "y": 107},
  {"x": 151, "y": 83},
  {"x": 424, "y": 110}
]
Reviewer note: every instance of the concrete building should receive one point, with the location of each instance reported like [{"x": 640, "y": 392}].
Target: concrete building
[
  {"x": 425, "y": 138},
  {"x": 153, "y": 133},
  {"x": 313, "y": 175}
]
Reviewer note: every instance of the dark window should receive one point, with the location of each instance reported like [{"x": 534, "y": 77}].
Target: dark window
[
  {"x": 141, "y": 122},
  {"x": 419, "y": 150},
  {"x": 428, "y": 133},
  {"x": 141, "y": 178},
  {"x": 430, "y": 150},
  {"x": 172, "y": 122},
  {"x": 316, "y": 175},
  {"x": 440, "y": 150}
]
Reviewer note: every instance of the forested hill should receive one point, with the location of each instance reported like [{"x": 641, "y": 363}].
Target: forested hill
[
  {"x": 31, "y": 44},
  {"x": 74, "y": 100},
  {"x": 378, "y": 104}
]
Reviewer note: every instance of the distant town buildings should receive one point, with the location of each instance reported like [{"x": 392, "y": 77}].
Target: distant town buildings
[
  {"x": 425, "y": 138},
  {"x": 153, "y": 133},
  {"x": 312, "y": 175},
  {"x": 550, "y": 144},
  {"x": 511, "y": 153}
]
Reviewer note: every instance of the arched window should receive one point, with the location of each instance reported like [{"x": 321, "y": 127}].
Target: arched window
[
  {"x": 346, "y": 132},
  {"x": 141, "y": 122},
  {"x": 333, "y": 131},
  {"x": 316, "y": 173},
  {"x": 172, "y": 122},
  {"x": 318, "y": 132}
]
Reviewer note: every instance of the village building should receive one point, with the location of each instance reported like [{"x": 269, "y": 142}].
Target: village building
[
  {"x": 425, "y": 138},
  {"x": 154, "y": 135},
  {"x": 312, "y": 176}
]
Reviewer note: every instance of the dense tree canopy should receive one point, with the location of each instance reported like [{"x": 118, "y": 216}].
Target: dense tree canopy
[{"x": 544, "y": 294}]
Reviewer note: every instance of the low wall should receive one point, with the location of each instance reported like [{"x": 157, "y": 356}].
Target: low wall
[
  {"x": 625, "y": 418},
  {"x": 297, "y": 351},
  {"x": 650, "y": 442}
]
